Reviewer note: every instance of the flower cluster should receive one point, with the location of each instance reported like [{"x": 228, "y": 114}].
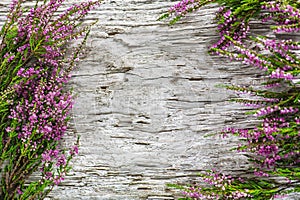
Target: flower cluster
[
  {"x": 229, "y": 25},
  {"x": 278, "y": 59},
  {"x": 221, "y": 187},
  {"x": 183, "y": 7},
  {"x": 53, "y": 164},
  {"x": 35, "y": 105},
  {"x": 286, "y": 16},
  {"x": 272, "y": 146},
  {"x": 45, "y": 113}
]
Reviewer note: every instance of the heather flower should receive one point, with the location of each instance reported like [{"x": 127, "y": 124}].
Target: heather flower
[
  {"x": 221, "y": 187},
  {"x": 35, "y": 105},
  {"x": 266, "y": 111},
  {"x": 229, "y": 25},
  {"x": 183, "y": 7},
  {"x": 286, "y": 16},
  {"x": 74, "y": 150},
  {"x": 272, "y": 144}
]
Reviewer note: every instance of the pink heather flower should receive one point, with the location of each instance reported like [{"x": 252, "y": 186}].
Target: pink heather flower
[
  {"x": 6, "y": 55},
  {"x": 266, "y": 111},
  {"x": 288, "y": 110},
  {"x": 286, "y": 16},
  {"x": 280, "y": 196},
  {"x": 61, "y": 161},
  {"x": 48, "y": 175},
  {"x": 11, "y": 58},
  {"x": 280, "y": 74},
  {"x": 20, "y": 72},
  {"x": 8, "y": 129},
  {"x": 182, "y": 7},
  {"x": 74, "y": 150},
  {"x": 59, "y": 178},
  {"x": 221, "y": 182},
  {"x": 13, "y": 5},
  {"x": 46, "y": 157},
  {"x": 19, "y": 191},
  {"x": 54, "y": 153},
  {"x": 40, "y": 105},
  {"x": 261, "y": 174}
]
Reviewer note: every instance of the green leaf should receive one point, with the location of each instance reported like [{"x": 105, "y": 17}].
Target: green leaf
[{"x": 163, "y": 16}]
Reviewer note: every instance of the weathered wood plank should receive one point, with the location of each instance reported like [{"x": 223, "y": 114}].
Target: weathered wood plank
[{"x": 146, "y": 98}]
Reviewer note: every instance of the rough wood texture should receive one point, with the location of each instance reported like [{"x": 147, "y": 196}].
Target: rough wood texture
[{"x": 146, "y": 99}]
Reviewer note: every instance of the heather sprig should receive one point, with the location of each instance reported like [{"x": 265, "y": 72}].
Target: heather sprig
[
  {"x": 232, "y": 18},
  {"x": 285, "y": 15},
  {"x": 218, "y": 186},
  {"x": 34, "y": 104},
  {"x": 179, "y": 10},
  {"x": 272, "y": 146}
]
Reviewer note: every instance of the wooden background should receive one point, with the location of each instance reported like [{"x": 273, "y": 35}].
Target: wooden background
[{"x": 146, "y": 97}]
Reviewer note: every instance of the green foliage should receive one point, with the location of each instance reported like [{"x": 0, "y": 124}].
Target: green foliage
[
  {"x": 34, "y": 103},
  {"x": 273, "y": 144}
]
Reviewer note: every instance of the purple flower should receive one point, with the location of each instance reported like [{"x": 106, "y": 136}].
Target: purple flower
[
  {"x": 61, "y": 160},
  {"x": 74, "y": 150}
]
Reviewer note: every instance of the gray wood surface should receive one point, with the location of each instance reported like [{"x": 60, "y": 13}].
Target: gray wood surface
[{"x": 146, "y": 97}]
